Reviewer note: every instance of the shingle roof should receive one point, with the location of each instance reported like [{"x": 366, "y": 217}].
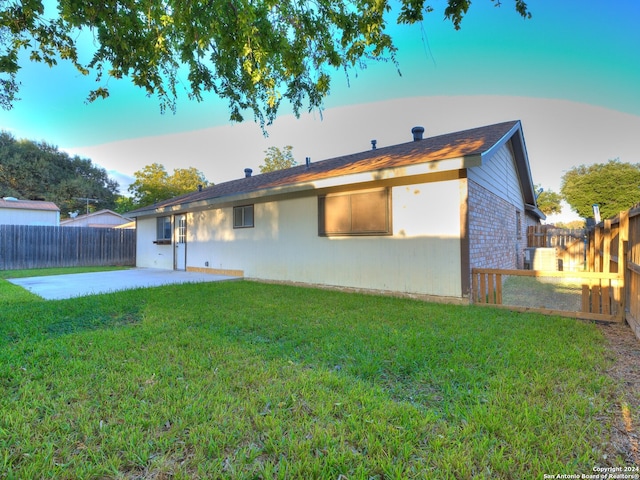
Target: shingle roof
[
  {"x": 100, "y": 213},
  {"x": 475, "y": 141},
  {"x": 9, "y": 202}
]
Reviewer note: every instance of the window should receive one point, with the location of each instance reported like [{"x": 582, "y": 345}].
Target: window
[
  {"x": 361, "y": 213},
  {"x": 182, "y": 229},
  {"x": 243, "y": 216},
  {"x": 163, "y": 230}
]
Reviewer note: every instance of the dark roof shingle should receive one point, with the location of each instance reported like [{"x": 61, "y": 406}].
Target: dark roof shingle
[
  {"x": 9, "y": 202},
  {"x": 442, "y": 147}
]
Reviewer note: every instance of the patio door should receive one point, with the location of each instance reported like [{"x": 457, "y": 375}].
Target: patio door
[{"x": 180, "y": 258}]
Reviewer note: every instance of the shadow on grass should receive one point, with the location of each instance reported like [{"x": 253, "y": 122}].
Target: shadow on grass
[{"x": 31, "y": 318}]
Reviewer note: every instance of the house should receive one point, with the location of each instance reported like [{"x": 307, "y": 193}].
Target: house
[
  {"x": 413, "y": 218},
  {"x": 28, "y": 212},
  {"x": 100, "y": 219}
]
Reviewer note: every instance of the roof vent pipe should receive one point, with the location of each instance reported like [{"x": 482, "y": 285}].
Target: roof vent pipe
[
  {"x": 417, "y": 133},
  {"x": 200, "y": 187},
  {"x": 247, "y": 172},
  {"x": 373, "y": 144},
  {"x": 308, "y": 161}
]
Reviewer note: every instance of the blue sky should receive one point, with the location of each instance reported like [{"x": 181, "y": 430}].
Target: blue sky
[{"x": 571, "y": 61}]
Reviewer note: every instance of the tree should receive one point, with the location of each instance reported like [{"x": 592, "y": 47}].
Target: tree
[
  {"x": 154, "y": 184},
  {"x": 573, "y": 224},
  {"x": 614, "y": 185},
  {"x": 253, "y": 54},
  {"x": 39, "y": 171},
  {"x": 548, "y": 201},
  {"x": 124, "y": 204},
  {"x": 277, "y": 159}
]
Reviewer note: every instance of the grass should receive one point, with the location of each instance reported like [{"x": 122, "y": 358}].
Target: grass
[
  {"x": 243, "y": 380},
  {"x": 535, "y": 292},
  {"x": 37, "y": 272}
]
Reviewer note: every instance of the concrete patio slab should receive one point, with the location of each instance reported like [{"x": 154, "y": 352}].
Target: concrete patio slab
[{"x": 56, "y": 287}]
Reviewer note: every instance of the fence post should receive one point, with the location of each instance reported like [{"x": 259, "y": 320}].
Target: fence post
[
  {"x": 596, "y": 249},
  {"x": 623, "y": 271},
  {"x": 474, "y": 286},
  {"x": 606, "y": 246}
]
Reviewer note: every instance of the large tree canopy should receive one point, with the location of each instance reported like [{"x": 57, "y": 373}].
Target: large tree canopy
[
  {"x": 614, "y": 186},
  {"x": 252, "y": 53},
  {"x": 549, "y": 202},
  {"x": 153, "y": 184},
  {"x": 38, "y": 171}
]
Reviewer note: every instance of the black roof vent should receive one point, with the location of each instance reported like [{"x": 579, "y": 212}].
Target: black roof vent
[
  {"x": 417, "y": 133},
  {"x": 373, "y": 144},
  {"x": 247, "y": 172}
]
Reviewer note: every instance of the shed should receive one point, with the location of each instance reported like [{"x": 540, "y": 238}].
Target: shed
[{"x": 28, "y": 212}]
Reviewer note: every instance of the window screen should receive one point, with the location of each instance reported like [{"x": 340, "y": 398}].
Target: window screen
[
  {"x": 163, "y": 229},
  {"x": 243, "y": 216},
  {"x": 358, "y": 213}
]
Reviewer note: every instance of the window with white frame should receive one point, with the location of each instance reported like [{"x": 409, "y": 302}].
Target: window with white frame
[
  {"x": 163, "y": 230},
  {"x": 243, "y": 216}
]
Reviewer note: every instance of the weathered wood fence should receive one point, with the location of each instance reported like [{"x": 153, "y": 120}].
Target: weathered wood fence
[
  {"x": 614, "y": 246},
  {"x": 27, "y": 246},
  {"x": 601, "y": 294},
  {"x": 570, "y": 244},
  {"x": 610, "y": 284},
  {"x": 632, "y": 272}
]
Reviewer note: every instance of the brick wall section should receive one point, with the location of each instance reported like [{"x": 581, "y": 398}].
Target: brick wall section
[{"x": 493, "y": 242}]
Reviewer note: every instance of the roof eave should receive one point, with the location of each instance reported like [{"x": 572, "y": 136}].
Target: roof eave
[
  {"x": 536, "y": 211},
  {"x": 450, "y": 164}
]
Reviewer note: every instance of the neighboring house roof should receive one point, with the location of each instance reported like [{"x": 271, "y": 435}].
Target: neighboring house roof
[
  {"x": 10, "y": 202},
  {"x": 451, "y": 151},
  {"x": 101, "y": 218}
]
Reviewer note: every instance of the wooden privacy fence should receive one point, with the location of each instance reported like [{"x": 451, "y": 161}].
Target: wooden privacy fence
[
  {"x": 614, "y": 245},
  {"x": 609, "y": 289},
  {"x": 549, "y": 236},
  {"x": 27, "y": 246},
  {"x": 570, "y": 244}
]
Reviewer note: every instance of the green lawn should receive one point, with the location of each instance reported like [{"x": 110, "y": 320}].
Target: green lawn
[
  {"x": 37, "y": 272},
  {"x": 247, "y": 380}
]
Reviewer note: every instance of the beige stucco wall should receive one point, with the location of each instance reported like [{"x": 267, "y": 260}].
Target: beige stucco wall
[
  {"x": 148, "y": 254},
  {"x": 422, "y": 256}
]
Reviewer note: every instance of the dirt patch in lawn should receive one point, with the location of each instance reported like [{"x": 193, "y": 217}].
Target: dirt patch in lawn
[{"x": 624, "y": 348}]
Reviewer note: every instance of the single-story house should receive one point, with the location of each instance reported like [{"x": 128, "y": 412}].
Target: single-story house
[
  {"x": 28, "y": 212},
  {"x": 100, "y": 219},
  {"x": 413, "y": 218}
]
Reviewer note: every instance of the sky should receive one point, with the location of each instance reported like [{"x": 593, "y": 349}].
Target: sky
[{"x": 571, "y": 74}]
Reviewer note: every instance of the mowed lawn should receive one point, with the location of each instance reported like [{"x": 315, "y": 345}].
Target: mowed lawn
[{"x": 244, "y": 380}]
